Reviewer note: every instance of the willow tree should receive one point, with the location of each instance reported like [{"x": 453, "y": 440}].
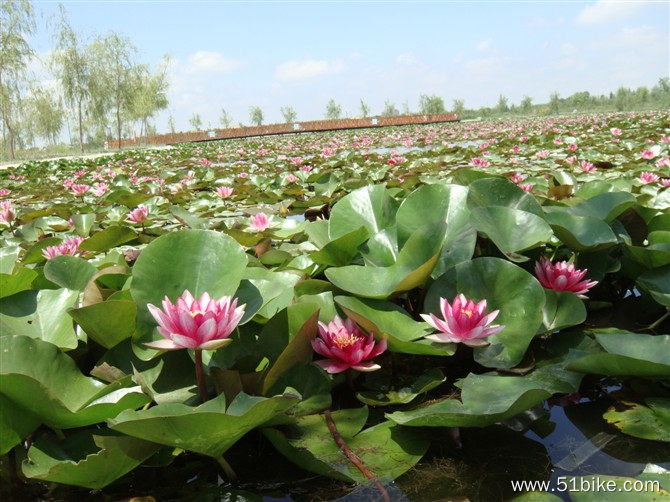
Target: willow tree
[
  {"x": 71, "y": 64},
  {"x": 16, "y": 24},
  {"x": 112, "y": 77},
  {"x": 148, "y": 94},
  {"x": 333, "y": 110}
]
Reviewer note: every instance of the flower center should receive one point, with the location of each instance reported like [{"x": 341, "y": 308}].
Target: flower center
[
  {"x": 196, "y": 312},
  {"x": 468, "y": 313},
  {"x": 344, "y": 339}
]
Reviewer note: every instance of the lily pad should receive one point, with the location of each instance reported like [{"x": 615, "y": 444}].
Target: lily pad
[
  {"x": 40, "y": 378},
  {"x": 647, "y": 422},
  {"x": 89, "y": 459},
  {"x": 209, "y": 429}
]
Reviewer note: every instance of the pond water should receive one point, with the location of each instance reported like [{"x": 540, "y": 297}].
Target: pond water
[{"x": 542, "y": 444}]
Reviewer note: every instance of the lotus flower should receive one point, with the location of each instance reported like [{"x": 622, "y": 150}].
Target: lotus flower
[
  {"x": 260, "y": 222},
  {"x": 647, "y": 177},
  {"x": 562, "y": 277},
  {"x": 4, "y": 192},
  {"x": 526, "y": 187},
  {"x": 224, "y": 192},
  {"x": 139, "y": 214},
  {"x": 67, "y": 247},
  {"x": 346, "y": 346},
  {"x": 665, "y": 182},
  {"x": 291, "y": 178},
  {"x": 203, "y": 324},
  {"x": 647, "y": 154},
  {"x": 464, "y": 321}
]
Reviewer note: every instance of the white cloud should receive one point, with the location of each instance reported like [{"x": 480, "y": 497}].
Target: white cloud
[
  {"x": 210, "y": 62},
  {"x": 538, "y": 22},
  {"x": 407, "y": 59},
  {"x": 484, "y": 45},
  {"x": 607, "y": 11},
  {"x": 295, "y": 71}
]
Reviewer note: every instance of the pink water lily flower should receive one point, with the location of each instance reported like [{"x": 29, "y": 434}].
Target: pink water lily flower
[
  {"x": 647, "y": 177},
  {"x": 561, "y": 276},
  {"x": 203, "y": 324},
  {"x": 587, "y": 167},
  {"x": 7, "y": 212},
  {"x": 463, "y": 321},
  {"x": 80, "y": 189},
  {"x": 139, "y": 214},
  {"x": 224, "y": 192},
  {"x": 665, "y": 182},
  {"x": 4, "y": 192},
  {"x": 291, "y": 178},
  {"x": 259, "y": 222},
  {"x": 647, "y": 154},
  {"x": 67, "y": 247},
  {"x": 346, "y": 346}
]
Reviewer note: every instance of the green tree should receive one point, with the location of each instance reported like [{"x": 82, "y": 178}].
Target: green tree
[
  {"x": 225, "y": 119},
  {"x": 71, "y": 64},
  {"x": 195, "y": 121},
  {"x": 459, "y": 106},
  {"x": 526, "y": 104},
  {"x": 48, "y": 115},
  {"x": 622, "y": 98},
  {"x": 289, "y": 114},
  {"x": 16, "y": 24},
  {"x": 431, "y": 104},
  {"x": 171, "y": 125},
  {"x": 365, "y": 109},
  {"x": 389, "y": 109},
  {"x": 333, "y": 110},
  {"x": 114, "y": 72},
  {"x": 256, "y": 115},
  {"x": 554, "y": 102},
  {"x": 502, "y": 106},
  {"x": 148, "y": 94}
]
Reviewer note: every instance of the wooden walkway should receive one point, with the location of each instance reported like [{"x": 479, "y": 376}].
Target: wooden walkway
[{"x": 273, "y": 129}]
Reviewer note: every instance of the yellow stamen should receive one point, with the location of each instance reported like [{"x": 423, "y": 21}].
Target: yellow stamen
[
  {"x": 196, "y": 312},
  {"x": 468, "y": 313},
  {"x": 343, "y": 340}
]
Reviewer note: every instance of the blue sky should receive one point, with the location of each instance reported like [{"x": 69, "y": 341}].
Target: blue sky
[{"x": 273, "y": 54}]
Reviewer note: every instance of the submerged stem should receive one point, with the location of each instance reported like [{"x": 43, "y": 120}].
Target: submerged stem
[
  {"x": 227, "y": 469},
  {"x": 656, "y": 323},
  {"x": 200, "y": 376},
  {"x": 352, "y": 456}
]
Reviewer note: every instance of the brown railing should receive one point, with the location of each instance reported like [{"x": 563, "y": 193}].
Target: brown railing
[{"x": 271, "y": 129}]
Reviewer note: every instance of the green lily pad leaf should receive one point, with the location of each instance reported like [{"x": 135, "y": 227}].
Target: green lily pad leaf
[
  {"x": 19, "y": 281},
  {"x": 505, "y": 287},
  {"x": 657, "y": 283},
  {"x": 647, "y": 422},
  {"x": 209, "y": 429},
  {"x": 298, "y": 350},
  {"x": 69, "y": 272},
  {"x": 83, "y": 223},
  {"x": 15, "y": 424},
  {"x": 537, "y": 497},
  {"x": 511, "y": 230},
  {"x": 652, "y": 256},
  {"x": 40, "y": 314},
  {"x": 581, "y": 233},
  {"x": 629, "y": 354},
  {"x": 500, "y": 192},
  {"x": 385, "y": 449},
  {"x": 311, "y": 382},
  {"x": 340, "y": 251},
  {"x": 8, "y": 259},
  {"x": 388, "y": 320},
  {"x": 40, "y": 378},
  {"x": 435, "y": 204},
  {"x": 89, "y": 459},
  {"x": 414, "y": 265},
  {"x": 429, "y": 380},
  {"x": 108, "y": 238},
  {"x": 485, "y": 400},
  {"x": 197, "y": 260},
  {"x": 188, "y": 218},
  {"x": 371, "y": 207},
  {"x": 605, "y": 206},
  {"x": 108, "y": 323},
  {"x": 562, "y": 309},
  {"x": 283, "y": 327},
  {"x": 275, "y": 290}
]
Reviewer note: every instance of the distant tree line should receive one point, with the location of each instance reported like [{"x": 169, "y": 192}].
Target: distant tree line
[{"x": 101, "y": 92}]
